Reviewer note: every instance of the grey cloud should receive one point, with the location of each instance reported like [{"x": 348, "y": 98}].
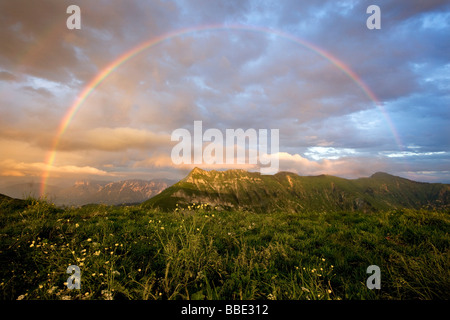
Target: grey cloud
[
  {"x": 7, "y": 76},
  {"x": 40, "y": 91},
  {"x": 227, "y": 78}
]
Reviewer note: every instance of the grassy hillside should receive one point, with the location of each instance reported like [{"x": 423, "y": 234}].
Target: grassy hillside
[
  {"x": 285, "y": 191},
  {"x": 201, "y": 253},
  {"x": 8, "y": 204}
]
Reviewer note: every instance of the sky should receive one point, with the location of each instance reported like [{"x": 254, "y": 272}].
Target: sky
[{"x": 347, "y": 100}]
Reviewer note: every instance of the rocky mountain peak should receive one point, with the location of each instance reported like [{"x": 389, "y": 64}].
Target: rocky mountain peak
[{"x": 239, "y": 189}]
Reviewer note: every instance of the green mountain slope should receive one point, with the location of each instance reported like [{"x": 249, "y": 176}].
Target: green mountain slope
[
  {"x": 239, "y": 189},
  {"x": 11, "y": 204}
]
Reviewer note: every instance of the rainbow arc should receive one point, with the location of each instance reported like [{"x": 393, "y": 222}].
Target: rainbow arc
[{"x": 112, "y": 66}]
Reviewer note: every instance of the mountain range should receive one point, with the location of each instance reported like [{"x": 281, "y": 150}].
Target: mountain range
[
  {"x": 86, "y": 192},
  {"x": 242, "y": 190}
]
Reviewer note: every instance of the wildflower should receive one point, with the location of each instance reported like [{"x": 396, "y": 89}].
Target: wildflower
[
  {"x": 54, "y": 288},
  {"x": 93, "y": 274},
  {"x": 106, "y": 262},
  {"x": 41, "y": 286},
  {"x": 116, "y": 244},
  {"x": 323, "y": 259},
  {"x": 77, "y": 225},
  {"x": 107, "y": 294},
  {"x": 139, "y": 270},
  {"x": 96, "y": 253},
  {"x": 89, "y": 240},
  {"x": 329, "y": 291},
  {"x": 162, "y": 228}
]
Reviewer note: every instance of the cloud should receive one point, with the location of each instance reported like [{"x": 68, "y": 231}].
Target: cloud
[
  {"x": 9, "y": 167},
  {"x": 40, "y": 91},
  {"x": 351, "y": 167},
  {"x": 113, "y": 140},
  {"x": 227, "y": 78},
  {"x": 7, "y": 76}
]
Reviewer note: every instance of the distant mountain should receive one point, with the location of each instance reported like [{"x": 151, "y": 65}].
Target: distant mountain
[
  {"x": 28, "y": 189},
  {"x": 100, "y": 192},
  {"x": 239, "y": 189},
  {"x": 111, "y": 193}
]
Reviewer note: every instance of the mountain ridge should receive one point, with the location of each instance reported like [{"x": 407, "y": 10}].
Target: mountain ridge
[
  {"x": 82, "y": 192},
  {"x": 242, "y": 190}
]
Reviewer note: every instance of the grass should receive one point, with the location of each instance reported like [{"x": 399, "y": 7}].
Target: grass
[{"x": 202, "y": 253}]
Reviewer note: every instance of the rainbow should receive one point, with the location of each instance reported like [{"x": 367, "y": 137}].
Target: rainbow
[{"x": 106, "y": 71}]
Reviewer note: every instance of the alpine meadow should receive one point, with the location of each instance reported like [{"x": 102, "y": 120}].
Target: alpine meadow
[
  {"x": 221, "y": 158},
  {"x": 204, "y": 250}
]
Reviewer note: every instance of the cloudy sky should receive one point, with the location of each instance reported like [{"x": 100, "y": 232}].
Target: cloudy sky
[{"x": 347, "y": 101}]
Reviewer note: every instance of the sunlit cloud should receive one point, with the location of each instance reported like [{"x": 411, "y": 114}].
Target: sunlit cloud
[{"x": 9, "y": 167}]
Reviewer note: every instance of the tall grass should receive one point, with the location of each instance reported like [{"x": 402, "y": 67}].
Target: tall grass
[{"x": 202, "y": 253}]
